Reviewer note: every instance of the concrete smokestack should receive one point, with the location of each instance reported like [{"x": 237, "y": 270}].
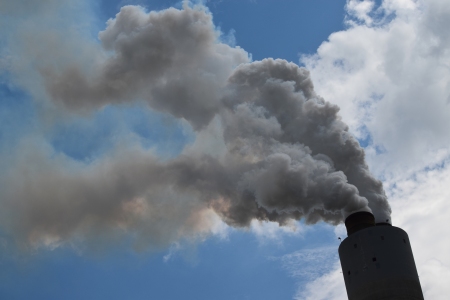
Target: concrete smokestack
[{"x": 377, "y": 261}]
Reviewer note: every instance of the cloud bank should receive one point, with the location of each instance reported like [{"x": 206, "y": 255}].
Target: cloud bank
[{"x": 389, "y": 72}]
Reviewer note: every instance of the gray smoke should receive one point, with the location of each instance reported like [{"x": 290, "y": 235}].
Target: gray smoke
[{"x": 267, "y": 147}]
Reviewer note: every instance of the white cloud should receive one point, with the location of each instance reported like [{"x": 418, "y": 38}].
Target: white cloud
[
  {"x": 327, "y": 287},
  {"x": 317, "y": 271},
  {"x": 422, "y": 209},
  {"x": 361, "y": 9},
  {"x": 434, "y": 279},
  {"x": 391, "y": 80},
  {"x": 420, "y": 206},
  {"x": 389, "y": 71},
  {"x": 309, "y": 263}
]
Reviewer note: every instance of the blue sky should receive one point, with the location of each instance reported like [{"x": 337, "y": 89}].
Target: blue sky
[
  {"x": 240, "y": 267},
  {"x": 404, "y": 136},
  {"x": 266, "y": 28}
]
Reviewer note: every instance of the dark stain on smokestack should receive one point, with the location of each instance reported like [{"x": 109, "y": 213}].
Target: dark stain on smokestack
[{"x": 377, "y": 261}]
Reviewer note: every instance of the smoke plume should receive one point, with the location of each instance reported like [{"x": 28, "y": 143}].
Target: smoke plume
[{"x": 280, "y": 152}]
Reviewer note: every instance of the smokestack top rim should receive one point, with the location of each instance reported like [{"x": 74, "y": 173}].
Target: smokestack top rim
[
  {"x": 383, "y": 224},
  {"x": 359, "y": 220}
]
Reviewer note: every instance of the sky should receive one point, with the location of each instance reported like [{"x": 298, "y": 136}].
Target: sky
[{"x": 386, "y": 64}]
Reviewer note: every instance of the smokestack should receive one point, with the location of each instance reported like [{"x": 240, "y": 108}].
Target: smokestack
[{"x": 377, "y": 261}]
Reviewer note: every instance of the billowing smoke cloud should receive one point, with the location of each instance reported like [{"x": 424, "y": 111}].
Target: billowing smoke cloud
[{"x": 280, "y": 151}]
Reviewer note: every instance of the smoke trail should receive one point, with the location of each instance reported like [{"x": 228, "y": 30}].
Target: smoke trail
[{"x": 281, "y": 151}]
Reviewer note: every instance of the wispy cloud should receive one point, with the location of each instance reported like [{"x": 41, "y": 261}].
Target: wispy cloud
[
  {"x": 309, "y": 264},
  {"x": 317, "y": 272}
]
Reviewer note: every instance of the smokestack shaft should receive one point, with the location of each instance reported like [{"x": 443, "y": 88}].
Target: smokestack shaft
[{"x": 377, "y": 263}]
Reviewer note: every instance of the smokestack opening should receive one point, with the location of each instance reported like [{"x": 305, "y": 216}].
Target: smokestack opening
[
  {"x": 383, "y": 224},
  {"x": 358, "y": 221}
]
